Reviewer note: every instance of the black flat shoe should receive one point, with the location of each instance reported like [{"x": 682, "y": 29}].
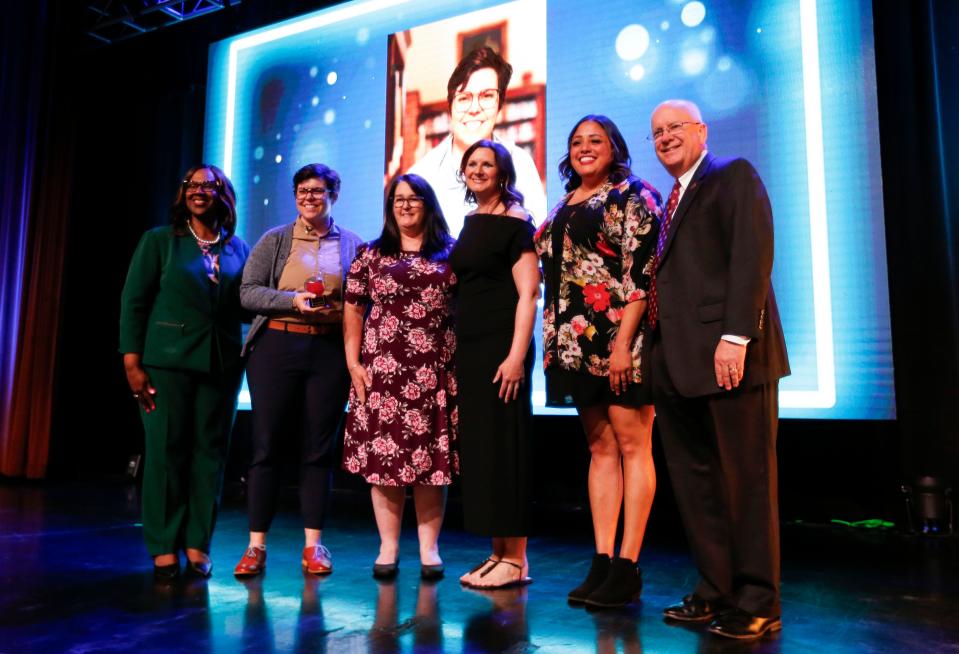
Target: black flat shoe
[
  {"x": 432, "y": 572},
  {"x": 166, "y": 572},
  {"x": 622, "y": 585},
  {"x": 693, "y": 608},
  {"x": 743, "y": 625},
  {"x": 598, "y": 572},
  {"x": 202, "y": 569},
  {"x": 386, "y": 570}
]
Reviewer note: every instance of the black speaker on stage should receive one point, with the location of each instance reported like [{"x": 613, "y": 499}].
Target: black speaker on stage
[{"x": 929, "y": 506}]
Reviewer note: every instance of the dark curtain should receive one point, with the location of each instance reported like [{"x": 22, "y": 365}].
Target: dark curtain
[
  {"x": 35, "y": 176},
  {"x": 917, "y": 60},
  {"x": 140, "y": 127}
]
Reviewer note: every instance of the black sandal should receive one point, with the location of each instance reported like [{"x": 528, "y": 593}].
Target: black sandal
[
  {"x": 488, "y": 559},
  {"x": 519, "y": 581}
]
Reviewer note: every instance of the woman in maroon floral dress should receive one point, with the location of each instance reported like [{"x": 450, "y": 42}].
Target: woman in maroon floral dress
[{"x": 401, "y": 426}]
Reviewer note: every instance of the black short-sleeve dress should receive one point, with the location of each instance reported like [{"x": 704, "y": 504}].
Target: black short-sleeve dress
[{"x": 495, "y": 437}]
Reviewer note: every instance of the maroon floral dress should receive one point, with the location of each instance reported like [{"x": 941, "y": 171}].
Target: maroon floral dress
[{"x": 405, "y": 433}]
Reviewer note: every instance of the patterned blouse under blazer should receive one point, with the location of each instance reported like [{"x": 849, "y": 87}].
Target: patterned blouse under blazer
[{"x": 608, "y": 246}]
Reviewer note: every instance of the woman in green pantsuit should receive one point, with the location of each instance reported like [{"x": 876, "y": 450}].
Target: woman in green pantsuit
[{"x": 180, "y": 337}]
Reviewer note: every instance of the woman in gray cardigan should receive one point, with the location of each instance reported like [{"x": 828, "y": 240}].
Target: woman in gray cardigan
[{"x": 293, "y": 281}]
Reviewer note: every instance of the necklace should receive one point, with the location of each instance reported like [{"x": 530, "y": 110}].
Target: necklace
[{"x": 200, "y": 240}]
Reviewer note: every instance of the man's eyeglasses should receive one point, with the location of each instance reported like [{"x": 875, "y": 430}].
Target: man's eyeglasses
[
  {"x": 414, "y": 201},
  {"x": 310, "y": 192},
  {"x": 487, "y": 99},
  {"x": 670, "y": 130},
  {"x": 206, "y": 187}
]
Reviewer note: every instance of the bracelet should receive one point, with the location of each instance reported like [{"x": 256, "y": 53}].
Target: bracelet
[{"x": 354, "y": 366}]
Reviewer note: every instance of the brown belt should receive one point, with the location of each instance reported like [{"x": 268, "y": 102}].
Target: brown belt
[{"x": 301, "y": 328}]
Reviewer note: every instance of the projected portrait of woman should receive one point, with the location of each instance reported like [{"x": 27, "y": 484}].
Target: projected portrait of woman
[{"x": 436, "y": 119}]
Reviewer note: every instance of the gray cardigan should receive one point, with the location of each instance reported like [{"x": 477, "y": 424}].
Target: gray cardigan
[{"x": 263, "y": 269}]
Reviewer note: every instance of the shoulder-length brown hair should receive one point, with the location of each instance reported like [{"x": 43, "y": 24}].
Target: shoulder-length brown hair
[
  {"x": 224, "y": 204},
  {"x": 505, "y": 171}
]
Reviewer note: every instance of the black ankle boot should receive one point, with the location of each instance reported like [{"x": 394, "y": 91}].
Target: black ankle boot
[
  {"x": 623, "y": 585},
  {"x": 598, "y": 572}
]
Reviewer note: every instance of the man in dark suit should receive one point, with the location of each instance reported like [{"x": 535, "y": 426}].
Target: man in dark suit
[{"x": 717, "y": 354}]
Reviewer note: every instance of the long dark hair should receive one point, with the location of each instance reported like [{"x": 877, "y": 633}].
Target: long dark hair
[
  {"x": 505, "y": 171},
  {"x": 224, "y": 203},
  {"x": 436, "y": 233},
  {"x": 621, "y": 160}
]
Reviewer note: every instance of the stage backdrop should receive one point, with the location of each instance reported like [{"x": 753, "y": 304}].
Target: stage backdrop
[{"x": 788, "y": 84}]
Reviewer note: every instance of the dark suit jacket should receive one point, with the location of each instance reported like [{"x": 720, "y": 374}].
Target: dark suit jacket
[
  {"x": 172, "y": 314},
  {"x": 714, "y": 278}
]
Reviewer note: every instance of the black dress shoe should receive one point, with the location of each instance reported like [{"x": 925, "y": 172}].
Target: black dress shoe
[
  {"x": 598, "y": 571},
  {"x": 693, "y": 608},
  {"x": 386, "y": 570},
  {"x": 743, "y": 625},
  {"x": 166, "y": 572},
  {"x": 622, "y": 585},
  {"x": 202, "y": 569},
  {"x": 432, "y": 572}
]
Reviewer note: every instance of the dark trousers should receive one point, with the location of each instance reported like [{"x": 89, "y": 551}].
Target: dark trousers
[
  {"x": 305, "y": 378},
  {"x": 721, "y": 454},
  {"x": 187, "y": 438}
]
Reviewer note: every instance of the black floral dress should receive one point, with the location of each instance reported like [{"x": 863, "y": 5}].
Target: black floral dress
[
  {"x": 597, "y": 257},
  {"x": 405, "y": 433}
]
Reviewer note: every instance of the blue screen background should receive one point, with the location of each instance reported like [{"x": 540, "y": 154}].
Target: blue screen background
[{"x": 319, "y": 95}]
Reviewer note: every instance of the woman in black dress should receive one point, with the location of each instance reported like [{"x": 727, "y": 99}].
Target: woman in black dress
[
  {"x": 597, "y": 250},
  {"x": 498, "y": 277}
]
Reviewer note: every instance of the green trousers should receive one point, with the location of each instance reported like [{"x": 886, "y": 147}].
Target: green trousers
[{"x": 187, "y": 439}]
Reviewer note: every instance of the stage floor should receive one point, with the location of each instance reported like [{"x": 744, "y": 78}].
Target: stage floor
[{"x": 75, "y": 577}]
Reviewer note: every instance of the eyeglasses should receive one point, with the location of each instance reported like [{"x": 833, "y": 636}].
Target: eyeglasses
[
  {"x": 670, "y": 130},
  {"x": 414, "y": 201},
  {"x": 487, "y": 99},
  {"x": 207, "y": 187},
  {"x": 311, "y": 192}
]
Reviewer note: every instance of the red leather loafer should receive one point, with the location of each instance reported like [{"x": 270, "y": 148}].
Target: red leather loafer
[
  {"x": 253, "y": 563},
  {"x": 317, "y": 560}
]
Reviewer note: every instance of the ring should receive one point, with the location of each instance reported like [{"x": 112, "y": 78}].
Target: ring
[{"x": 136, "y": 396}]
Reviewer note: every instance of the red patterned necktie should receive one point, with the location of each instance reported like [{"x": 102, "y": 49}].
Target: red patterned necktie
[{"x": 653, "y": 314}]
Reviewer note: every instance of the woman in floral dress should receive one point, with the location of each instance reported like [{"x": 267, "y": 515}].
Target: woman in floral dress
[
  {"x": 597, "y": 249},
  {"x": 401, "y": 426}
]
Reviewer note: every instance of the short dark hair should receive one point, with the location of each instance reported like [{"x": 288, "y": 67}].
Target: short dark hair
[
  {"x": 318, "y": 171},
  {"x": 621, "y": 159},
  {"x": 474, "y": 60},
  {"x": 506, "y": 172},
  {"x": 224, "y": 205},
  {"x": 436, "y": 233}
]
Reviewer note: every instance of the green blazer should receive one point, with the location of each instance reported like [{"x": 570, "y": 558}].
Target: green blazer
[{"x": 172, "y": 314}]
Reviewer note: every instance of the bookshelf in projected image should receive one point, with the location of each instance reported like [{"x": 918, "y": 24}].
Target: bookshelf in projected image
[{"x": 521, "y": 119}]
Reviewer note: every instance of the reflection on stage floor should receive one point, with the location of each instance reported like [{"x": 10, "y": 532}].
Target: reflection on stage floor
[{"x": 75, "y": 577}]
